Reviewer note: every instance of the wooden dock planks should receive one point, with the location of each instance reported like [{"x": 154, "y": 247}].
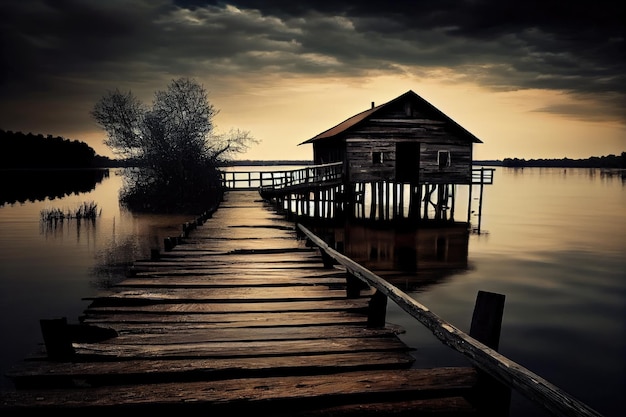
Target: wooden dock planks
[{"x": 239, "y": 317}]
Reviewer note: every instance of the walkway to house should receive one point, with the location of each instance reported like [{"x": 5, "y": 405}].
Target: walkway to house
[{"x": 240, "y": 316}]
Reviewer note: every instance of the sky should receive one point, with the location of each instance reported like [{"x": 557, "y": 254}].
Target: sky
[{"x": 532, "y": 79}]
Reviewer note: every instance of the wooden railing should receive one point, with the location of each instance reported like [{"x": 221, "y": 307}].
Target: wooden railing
[
  {"x": 482, "y": 175},
  {"x": 497, "y": 366},
  {"x": 281, "y": 179},
  {"x": 252, "y": 180}
]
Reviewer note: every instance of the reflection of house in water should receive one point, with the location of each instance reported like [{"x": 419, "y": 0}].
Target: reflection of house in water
[{"x": 410, "y": 258}]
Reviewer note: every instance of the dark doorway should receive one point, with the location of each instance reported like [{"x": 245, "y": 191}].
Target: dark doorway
[{"x": 407, "y": 162}]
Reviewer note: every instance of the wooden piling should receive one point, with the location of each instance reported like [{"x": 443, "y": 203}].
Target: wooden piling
[
  {"x": 377, "y": 312},
  {"x": 491, "y": 396},
  {"x": 57, "y": 338}
]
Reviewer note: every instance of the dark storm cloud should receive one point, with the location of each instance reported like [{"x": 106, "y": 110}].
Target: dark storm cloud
[
  {"x": 575, "y": 46},
  {"x": 561, "y": 36},
  {"x": 71, "y": 50}
]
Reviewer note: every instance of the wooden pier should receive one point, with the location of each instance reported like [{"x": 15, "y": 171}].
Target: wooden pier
[
  {"x": 248, "y": 313},
  {"x": 322, "y": 192},
  {"x": 239, "y": 316}
]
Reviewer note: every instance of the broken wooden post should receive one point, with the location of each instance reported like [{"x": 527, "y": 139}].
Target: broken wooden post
[
  {"x": 57, "y": 338},
  {"x": 487, "y": 318},
  {"x": 490, "y": 395}
]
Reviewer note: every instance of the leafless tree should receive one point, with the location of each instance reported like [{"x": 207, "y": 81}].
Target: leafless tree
[{"x": 173, "y": 142}]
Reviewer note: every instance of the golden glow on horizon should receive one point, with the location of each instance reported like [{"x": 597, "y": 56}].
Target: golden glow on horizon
[{"x": 284, "y": 111}]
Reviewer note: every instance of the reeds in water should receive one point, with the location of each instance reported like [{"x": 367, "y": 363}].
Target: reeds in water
[{"x": 87, "y": 210}]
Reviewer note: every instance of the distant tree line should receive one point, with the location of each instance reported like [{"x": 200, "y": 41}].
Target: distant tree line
[
  {"x": 609, "y": 161},
  {"x": 30, "y": 151}
]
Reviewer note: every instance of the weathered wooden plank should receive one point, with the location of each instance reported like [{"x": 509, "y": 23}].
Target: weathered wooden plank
[
  {"x": 37, "y": 374},
  {"x": 227, "y": 246},
  {"x": 287, "y": 306},
  {"x": 183, "y": 334},
  {"x": 290, "y": 249},
  {"x": 407, "y": 121},
  {"x": 233, "y": 349},
  {"x": 180, "y": 257},
  {"x": 244, "y": 222},
  {"x": 231, "y": 264},
  {"x": 269, "y": 396},
  {"x": 213, "y": 272},
  {"x": 172, "y": 327},
  {"x": 228, "y": 259},
  {"x": 226, "y": 270},
  {"x": 192, "y": 280},
  {"x": 225, "y": 294},
  {"x": 231, "y": 319},
  {"x": 253, "y": 253},
  {"x": 225, "y": 267},
  {"x": 154, "y": 328},
  {"x": 229, "y": 269}
]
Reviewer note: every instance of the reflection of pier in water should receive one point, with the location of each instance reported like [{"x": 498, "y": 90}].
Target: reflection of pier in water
[{"x": 410, "y": 258}]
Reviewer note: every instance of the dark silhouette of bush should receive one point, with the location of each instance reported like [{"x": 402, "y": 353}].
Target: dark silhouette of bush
[{"x": 174, "y": 144}]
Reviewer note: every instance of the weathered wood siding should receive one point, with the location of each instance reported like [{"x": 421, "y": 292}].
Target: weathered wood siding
[
  {"x": 460, "y": 169},
  {"x": 328, "y": 151},
  {"x": 362, "y": 168}
]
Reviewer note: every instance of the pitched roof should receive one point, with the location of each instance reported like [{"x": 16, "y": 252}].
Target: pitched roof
[{"x": 360, "y": 117}]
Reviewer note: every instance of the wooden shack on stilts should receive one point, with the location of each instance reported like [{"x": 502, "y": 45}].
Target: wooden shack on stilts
[{"x": 401, "y": 160}]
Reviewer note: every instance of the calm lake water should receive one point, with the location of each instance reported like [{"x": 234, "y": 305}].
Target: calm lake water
[{"x": 553, "y": 241}]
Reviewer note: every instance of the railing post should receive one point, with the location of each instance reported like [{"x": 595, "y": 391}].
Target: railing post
[
  {"x": 480, "y": 198},
  {"x": 327, "y": 259},
  {"x": 377, "y": 312},
  {"x": 353, "y": 286}
]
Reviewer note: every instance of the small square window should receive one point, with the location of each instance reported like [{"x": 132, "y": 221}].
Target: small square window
[
  {"x": 377, "y": 157},
  {"x": 443, "y": 159}
]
